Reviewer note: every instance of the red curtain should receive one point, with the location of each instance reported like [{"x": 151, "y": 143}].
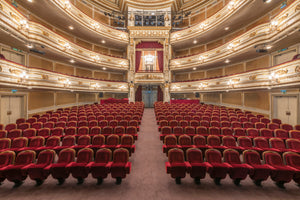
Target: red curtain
[
  {"x": 138, "y": 55},
  {"x": 160, "y": 57},
  {"x": 138, "y": 94},
  {"x": 160, "y": 94},
  {"x": 149, "y": 45}
]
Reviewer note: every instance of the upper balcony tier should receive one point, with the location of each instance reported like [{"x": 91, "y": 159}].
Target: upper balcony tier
[
  {"x": 16, "y": 25},
  {"x": 273, "y": 33},
  {"x": 89, "y": 24},
  {"x": 233, "y": 16}
]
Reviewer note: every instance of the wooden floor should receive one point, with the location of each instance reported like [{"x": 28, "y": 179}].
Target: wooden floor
[{"x": 148, "y": 180}]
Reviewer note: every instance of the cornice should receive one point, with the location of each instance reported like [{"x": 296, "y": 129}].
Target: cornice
[
  {"x": 13, "y": 74},
  {"x": 36, "y": 33},
  {"x": 286, "y": 74},
  {"x": 282, "y": 24}
]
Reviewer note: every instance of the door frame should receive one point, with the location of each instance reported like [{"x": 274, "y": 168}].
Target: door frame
[
  {"x": 25, "y": 100},
  {"x": 273, "y": 96}
]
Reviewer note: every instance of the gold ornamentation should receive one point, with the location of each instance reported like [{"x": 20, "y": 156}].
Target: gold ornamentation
[
  {"x": 80, "y": 83},
  {"x": 14, "y": 16},
  {"x": 252, "y": 77},
  {"x": 45, "y": 33},
  {"x": 45, "y": 77},
  {"x": 252, "y": 34},
  {"x": 297, "y": 69},
  {"x": 0, "y": 69},
  {"x": 1, "y": 7},
  {"x": 108, "y": 85},
  {"x": 297, "y": 8},
  {"x": 282, "y": 71}
]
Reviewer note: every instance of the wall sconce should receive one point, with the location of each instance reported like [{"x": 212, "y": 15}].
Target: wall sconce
[
  {"x": 202, "y": 86},
  {"x": 24, "y": 24},
  {"x": 95, "y": 85},
  {"x": 231, "y": 5},
  {"x": 67, "y": 5},
  {"x": 273, "y": 77},
  {"x": 23, "y": 77},
  {"x": 96, "y": 58},
  {"x": 67, "y": 46},
  {"x": 203, "y": 25},
  {"x": 231, "y": 83},
  {"x": 273, "y": 25},
  {"x": 65, "y": 82},
  {"x": 95, "y": 25}
]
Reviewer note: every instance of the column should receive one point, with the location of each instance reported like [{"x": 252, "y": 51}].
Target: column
[{"x": 131, "y": 72}]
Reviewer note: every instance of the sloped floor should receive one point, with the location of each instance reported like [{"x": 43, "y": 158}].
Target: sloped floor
[{"x": 148, "y": 180}]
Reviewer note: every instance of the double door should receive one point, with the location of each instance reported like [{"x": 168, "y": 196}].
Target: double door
[
  {"x": 286, "y": 109},
  {"x": 149, "y": 95},
  {"x": 12, "y": 108}
]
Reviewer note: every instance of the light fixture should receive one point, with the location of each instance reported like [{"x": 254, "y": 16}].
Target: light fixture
[
  {"x": 67, "y": 46},
  {"x": 30, "y": 46},
  {"x": 195, "y": 41},
  {"x": 71, "y": 27},
  {"x": 194, "y": 68},
  {"x": 96, "y": 58},
  {"x": 267, "y": 1},
  {"x": 30, "y": 1},
  {"x": 67, "y": 4},
  {"x": 95, "y": 25},
  {"x": 230, "y": 46},
  {"x": 153, "y": 13},
  {"x": 202, "y": 85},
  {"x": 230, "y": 5},
  {"x": 227, "y": 61},
  {"x": 103, "y": 41},
  {"x": 104, "y": 68},
  {"x": 268, "y": 47},
  {"x": 24, "y": 24},
  {"x": 226, "y": 28},
  {"x": 29, "y": 87},
  {"x": 72, "y": 61}
]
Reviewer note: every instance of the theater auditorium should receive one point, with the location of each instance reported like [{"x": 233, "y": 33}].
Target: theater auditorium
[{"x": 150, "y": 99}]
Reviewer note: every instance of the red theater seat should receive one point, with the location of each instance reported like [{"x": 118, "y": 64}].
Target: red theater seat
[
  {"x": 197, "y": 168},
  {"x": 14, "y": 172},
  {"x": 293, "y": 160},
  {"x": 176, "y": 166},
  {"x": 217, "y": 169},
  {"x": 281, "y": 173},
  {"x": 36, "y": 170},
  {"x": 260, "y": 171},
  {"x": 78, "y": 169},
  {"x": 238, "y": 171},
  {"x": 120, "y": 165},
  {"x": 58, "y": 170},
  {"x": 6, "y": 158},
  {"x": 102, "y": 165}
]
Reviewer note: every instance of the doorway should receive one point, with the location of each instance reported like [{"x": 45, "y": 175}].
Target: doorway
[
  {"x": 12, "y": 108},
  {"x": 285, "y": 107},
  {"x": 149, "y": 95}
]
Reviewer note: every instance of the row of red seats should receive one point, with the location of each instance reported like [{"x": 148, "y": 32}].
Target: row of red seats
[
  {"x": 259, "y": 144},
  {"x": 218, "y": 167},
  {"x": 51, "y": 125},
  {"x": 100, "y": 166},
  {"x": 75, "y": 123},
  {"x": 96, "y": 142},
  {"x": 233, "y": 124},
  {"x": 251, "y": 132},
  {"x": 61, "y": 132}
]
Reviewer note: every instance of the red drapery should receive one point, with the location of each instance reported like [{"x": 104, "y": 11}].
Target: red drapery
[
  {"x": 149, "y": 45},
  {"x": 160, "y": 57},
  {"x": 138, "y": 94},
  {"x": 160, "y": 94},
  {"x": 138, "y": 55}
]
